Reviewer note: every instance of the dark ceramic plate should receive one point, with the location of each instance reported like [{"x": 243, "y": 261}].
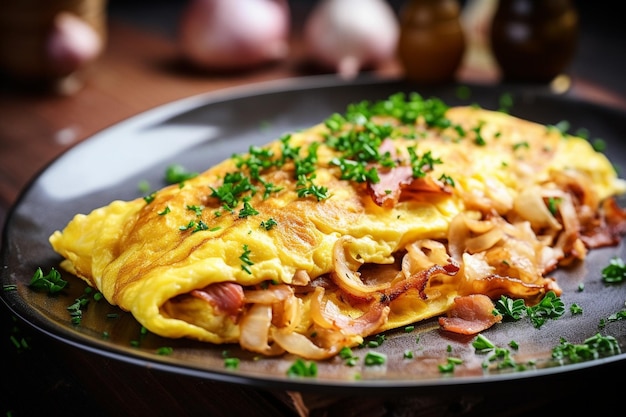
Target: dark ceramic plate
[{"x": 202, "y": 130}]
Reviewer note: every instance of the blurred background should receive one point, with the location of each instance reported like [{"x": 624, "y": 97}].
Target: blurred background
[
  {"x": 66, "y": 76},
  {"x": 601, "y": 40},
  {"x": 599, "y": 34}
]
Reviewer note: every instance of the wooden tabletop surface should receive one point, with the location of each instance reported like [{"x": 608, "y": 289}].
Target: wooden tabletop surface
[{"x": 140, "y": 70}]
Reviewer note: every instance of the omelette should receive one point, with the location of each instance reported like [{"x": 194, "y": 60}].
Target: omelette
[{"x": 393, "y": 212}]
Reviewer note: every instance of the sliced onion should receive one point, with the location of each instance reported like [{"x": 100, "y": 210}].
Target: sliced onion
[
  {"x": 301, "y": 278},
  {"x": 318, "y": 307},
  {"x": 288, "y": 314},
  {"x": 485, "y": 241},
  {"x": 346, "y": 275},
  {"x": 299, "y": 344},
  {"x": 273, "y": 294},
  {"x": 529, "y": 205},
  {"x": 495, "y": 286},
  {"x": 328, "y": 315},
  {"x": 255, "y": 327},
  {"x": 423, "y": 254}
]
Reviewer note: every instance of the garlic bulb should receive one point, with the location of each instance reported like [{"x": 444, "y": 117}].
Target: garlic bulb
[
  {"x": 229, "y": 34},
  {"x": 348, "y": 36},
  {"x": 71, "y": 44}
]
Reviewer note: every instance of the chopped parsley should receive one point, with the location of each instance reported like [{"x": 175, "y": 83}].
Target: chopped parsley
[
  {"x": 150, "y": 197},
  {"x": 176, "y": 173},
  {"x": 553, "y": 205},
  {"x": 498, "y": 355},
  {"x": 505, "y": 102},
  {"x": 234, "y": 187},
  {"x": 510, "y": 308},
  {"x": 196, "y": 209},
  {"x": 374, "y": 341},
  {"x": 591, "y": 348},
  {"x": 575, "y": 309},
  {"x": 268, "y": 224},
  {"x": 422, "y": 164},
  {"x": 300, "y": 368},
  {"x": 51, "y": 282},
  {"x": 346, "y": 354},
  {"x": 231, "y": 363},
  {"x": 76, "y": 308},
  {"x": 246, "y": 263},
  {"x": 550, "y": 307},
  {"x": 374, "y": 358},
  {"x": 450, "y": 364},
  {"x": 562, "y": 127},
  {"x": 478, "y": 138},
  {"x": 247, "y": 209},
  {"x": 165, "y": 351},
  {"x": 615, "y": 271}
]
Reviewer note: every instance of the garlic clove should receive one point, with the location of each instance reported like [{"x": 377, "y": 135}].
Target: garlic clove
[{"x": 71, "y": 44}]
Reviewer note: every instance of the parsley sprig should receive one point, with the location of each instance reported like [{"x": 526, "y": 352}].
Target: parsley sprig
[
  {"x": 550, "y": 307},
  {"x": 176, "y": 174},
  {"x": 246, "y": 263},
  {"x": 615, "y": 271},
  {"x": 593, "y": 347},
  {"x": 51, "y": 282},
  {"x": 300, "y": 368}
]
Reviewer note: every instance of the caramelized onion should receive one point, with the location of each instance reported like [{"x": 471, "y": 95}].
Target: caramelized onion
[
  {"x": 423, "y": 254},
  {"x": 418, "y": 281},
  {"x": 255, "y": 327},
  {"x": 288, "y": 314},
  {"x": 530, "y": 205},
  {"x": 346, "y": 275},
  {"x": 271, "y": 295},
  {"x": 494, "y": 286},
  {"x": 329, "y": 316},
  {"x": 299, "y": 344}
]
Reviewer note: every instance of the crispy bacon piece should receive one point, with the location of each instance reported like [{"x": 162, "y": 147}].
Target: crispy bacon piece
[
  {"x": 327, "y": 315},
  {"x": 386, "y": 193},
  {"x": 227, "y": 297},
  {"x": 398, "y": 183},
  {"x": 608, "y": 229},
  {"x": 418, "y": 281},
  {"x": 494, "y": 286},
  {"x": 470, "y": 314}
]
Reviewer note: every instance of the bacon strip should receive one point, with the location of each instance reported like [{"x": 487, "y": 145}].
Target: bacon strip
[
  {"x": 608, "y": 229},
  {"x": 470, "y": 314},
  {"x": 418, "y": 281},
  {"x": 227, "y": 297}
]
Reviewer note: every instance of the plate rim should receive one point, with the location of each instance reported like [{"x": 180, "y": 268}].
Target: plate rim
[{"x": 12, "y": 300}]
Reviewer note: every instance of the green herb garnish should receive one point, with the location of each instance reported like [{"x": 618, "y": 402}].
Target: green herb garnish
[
  {"x": 51, "y": 282},
  {"x": 300, "y": 368},
  {"x": 615, "y": 271},
  {"x": 175, "y": 174}
]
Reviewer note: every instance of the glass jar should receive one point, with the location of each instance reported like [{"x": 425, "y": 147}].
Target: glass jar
[
  {"x": 534, "y": 40},
  {"x": 431, "y": 43}
]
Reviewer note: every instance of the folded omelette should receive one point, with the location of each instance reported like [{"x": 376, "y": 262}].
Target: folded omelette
[{"x": 394, "y": 212}]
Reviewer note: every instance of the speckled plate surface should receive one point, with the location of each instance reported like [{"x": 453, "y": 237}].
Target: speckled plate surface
[{"x": 201, "y": 131}]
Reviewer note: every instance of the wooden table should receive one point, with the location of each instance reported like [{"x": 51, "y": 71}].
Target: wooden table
[{"x": 139, "y": 70}]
